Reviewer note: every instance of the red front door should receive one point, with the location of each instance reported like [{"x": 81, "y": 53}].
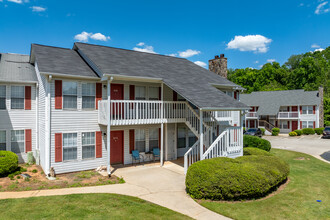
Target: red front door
[
  {"x": 252, "y": 124},
  {"x": 294, "y": 125},
  {"x": 117, "y": 147},
  {"x": 117, "y": 93}
]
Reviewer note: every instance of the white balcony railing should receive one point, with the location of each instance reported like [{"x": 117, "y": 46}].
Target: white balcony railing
[
  {"x": 288, "y": 115},
  {"x": 251, "y": 115}
]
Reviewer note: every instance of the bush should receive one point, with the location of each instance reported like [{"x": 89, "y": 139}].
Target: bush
[
  {"x": 275, "y": 131},
  {"x": 263, "y": 131},
  {"x": 254, "y": 151},
  {"x": 34, "y": 171},
  {"x": 247, "y": 177},
  {"x": 8, "y": 162},
  {"x": 319, "y": 131},
  {"x": 299, "y": 132},
  {"x": 308, "y": 131},
  {"x": 292, "y": 134},
  {"x": 253, "y": 141}
]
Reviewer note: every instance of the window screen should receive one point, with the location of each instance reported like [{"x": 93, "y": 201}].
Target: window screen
[
  {"x": 17, "y": 141},
  {"x": 88, "y": 96},
  {"x": 17, "y": 97},
  {"x": 69, "y": 146},
  {"x": 140, "y": 140},
  {"x": 88, "y": 145},
  {"x": 2, "y": 97},
  {"x": 69, "y": 95},
  {"x": 153, "y": 138},
  {"x": 2, "y": 140}
]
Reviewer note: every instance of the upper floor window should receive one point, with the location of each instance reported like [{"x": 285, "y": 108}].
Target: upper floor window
[
  {"x": 88, "y": 96},
  {"x": 17, "y": 141},
  {"x": 140, "y": 93},
  {"x": 17, "y": 97},
  {"x": 230, "y": 93},
  {"x": 69, "y": 95},
  {"x": 153, "y": 93},
  {"x": 2, "y": 97},
  {"x": 140, "y": 140},
  {"x": 3, "y": 140},
  {"x": 70, "y": 146},
  {"x": 307, "y": 110},
  {"x": 88, "y": 145}
]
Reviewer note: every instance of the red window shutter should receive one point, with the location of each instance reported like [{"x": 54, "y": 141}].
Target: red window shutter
[
  {"x": 300, "y": 109},
  {"x": 27, "y": 98},
  {"x": 160, "y": 93},
  {"x": 98, "y": 95},
  {"x": 300, "y": 124},
  {"x": 58, "y": 94},
  {"x": 235, "y": 95},
  {"x": 313, "y": 124},
  {"x": 288, "y": 124},
  {"x": 98, "y": 144},
  {"x": 253, "y": 109},
  {"x": 131, "y": 92},
  {"x": 159, "y": 137},
  {"x": 175, "y": 96},
  {"x": 58, "y": 147},
  {"x": 131, "y": 140},
  {"x": 314, "y": 109},
  {"x": 28, "y": 140},
  {"x": 288, "y": 108}
]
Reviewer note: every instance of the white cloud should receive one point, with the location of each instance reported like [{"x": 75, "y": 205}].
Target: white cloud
[
  {"x": 38, "y": 9},
  {"x": 256, "y": 43},
  {"x": 257, "y": 61},
  {"x": 188, "y": 53},
  {"x": 200, "y": 63},
  {"x": 301, "y": 4},
  {"x": 271, "y": 60},
  {"x": 145, "y": 48},
  {"x": 16, "y": 1},
  {"x": 315, "y": 46},
  {"x": 99, "y": 36},
  {"x": 84, "y": 37},
  {"x": 319, "y": 49},
  {"x": 172, "y": 54},
  {"x": 320, "y": 9}
]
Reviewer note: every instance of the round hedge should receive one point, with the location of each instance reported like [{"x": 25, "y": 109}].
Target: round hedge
[
  {"x": 253, "y": 141},
  {"x": 308, "y": 131},
  {"x": 319, "y": 131},
  {"x": 292, "y": 134},
  {"x": 299, "y": 132},
  {"x": 255, "y": 151},
  {"x": 247, "y": 177},
  {"x": 8, "y": 162}
]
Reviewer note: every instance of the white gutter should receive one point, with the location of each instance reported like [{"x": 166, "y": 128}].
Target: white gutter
[
  {"x": 136, "y": 78},
  {"x": 70, "y": 76}
]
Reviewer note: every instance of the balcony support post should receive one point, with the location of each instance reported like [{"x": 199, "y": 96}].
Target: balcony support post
[
  {"x": 108, "y": 124},
  {"x": 201, "y": 134},
  {"x": 162, "y": 127}
]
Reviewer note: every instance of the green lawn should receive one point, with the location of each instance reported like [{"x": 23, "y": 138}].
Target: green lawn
[
  {"x": 309, "y": 181},
  {"x": 84, "y": 206}
]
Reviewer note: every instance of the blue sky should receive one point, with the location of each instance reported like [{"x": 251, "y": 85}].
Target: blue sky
[{"x": 248, "y": 32}]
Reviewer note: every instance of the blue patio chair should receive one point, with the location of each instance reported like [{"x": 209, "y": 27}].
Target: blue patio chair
[
  {"x": 155, "y": 152},
  {"x": 136, "y": 156}
]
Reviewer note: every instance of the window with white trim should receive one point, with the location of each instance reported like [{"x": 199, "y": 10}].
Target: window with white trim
[
  {"x": 140, "y": 140},
  {"x": 181, "y": 137},
  {"x": 307, "y": 110},
  {"x": 88, "y": 145},
  {"x": 2, "y": 97},
  {"x": 88, "y": 95},
  {"x": 69, "y": 95},
  {"x": 17, "y": 141},
  {"x": 140, "y": 93},
  {"x": 3, "y": 140},
  {"x": 69, "y": 146},
  {"x": 283, "y": 124},
  {"x": 153, "y": 138},
  {"x": 17, "y": 97},
  {"x": 307, "y": 124},
  {"x": 153, "y": 93}
]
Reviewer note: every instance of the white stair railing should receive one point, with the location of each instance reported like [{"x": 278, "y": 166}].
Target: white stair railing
[{"x": 191, "y": 156}]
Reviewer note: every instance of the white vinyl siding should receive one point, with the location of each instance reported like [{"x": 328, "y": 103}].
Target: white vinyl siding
[
  {"x": 70, "y": 146},
  {"x": 153, "y": 93},
  {"x": 2, "y": 140},
  {"x": 88, "y": 95},
  {"x": 153, "y": 138},
  {"x": 17, "y": 141},
  {"x": 88, "y": 145},
  {"x": 140, "y": 140},
  {"x": 69, "y": 95},
  {"x": 2, "y": 97},
  {"x": 17, "y": 97},
  {"x": 140, "y": 93}
]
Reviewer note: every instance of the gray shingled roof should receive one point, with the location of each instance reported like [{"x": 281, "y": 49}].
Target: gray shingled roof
[
  {"x": 58, "y": 60},
  {"x": 188, "y": 79},
  {"x": 269, "y": 102},
  {"x": 16, "y": 68}
]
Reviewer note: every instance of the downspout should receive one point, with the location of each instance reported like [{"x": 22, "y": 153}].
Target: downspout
[
  {"x": 108, "y": 127},
  {"x": 49, "y": 124},
  {"x": 37, "y": 125}
]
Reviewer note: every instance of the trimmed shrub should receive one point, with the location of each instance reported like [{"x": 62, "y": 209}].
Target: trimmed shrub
[
  {"x": 247, "y": 177},
  {"x": 308, "y": 131},
  {"x": 254, "y": 151},
  {"x": 8, "y": 162},
  {"x": 319, "y": 131},
  {"x": 253, "y": 141},
  {"x": 299, "y": 132},
  {"x": 263, "y": 131},
  {"x": 292, "y": 134},
  {"x": 275, "y": 131}
]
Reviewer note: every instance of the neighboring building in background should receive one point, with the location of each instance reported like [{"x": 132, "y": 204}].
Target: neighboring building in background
[{"x": 288, "y": 110}]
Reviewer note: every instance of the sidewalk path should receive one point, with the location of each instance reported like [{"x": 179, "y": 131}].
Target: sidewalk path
[{"x": 160, "y": 185}]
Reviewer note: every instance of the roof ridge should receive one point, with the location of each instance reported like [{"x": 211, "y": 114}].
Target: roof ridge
[
  {"x": 51, "y": 46},
  {"x": 288, "y": 90},
  {"x": 130, "y": 50}
]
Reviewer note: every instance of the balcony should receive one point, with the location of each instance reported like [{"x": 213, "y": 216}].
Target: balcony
[
  {"x": 288, "y": 115},
  {"x": 251, "y": 115},
  {"x": 223, "y": 115}
]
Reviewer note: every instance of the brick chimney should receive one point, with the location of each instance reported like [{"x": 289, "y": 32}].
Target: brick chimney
[
  {"x": 321, "y": 108},
  {"x": 219, "y": 65}
]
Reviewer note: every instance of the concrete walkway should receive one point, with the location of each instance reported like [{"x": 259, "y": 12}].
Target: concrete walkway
[
  {"x": 309, "y": 144},
  {"x": 164, "y": 186}
]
